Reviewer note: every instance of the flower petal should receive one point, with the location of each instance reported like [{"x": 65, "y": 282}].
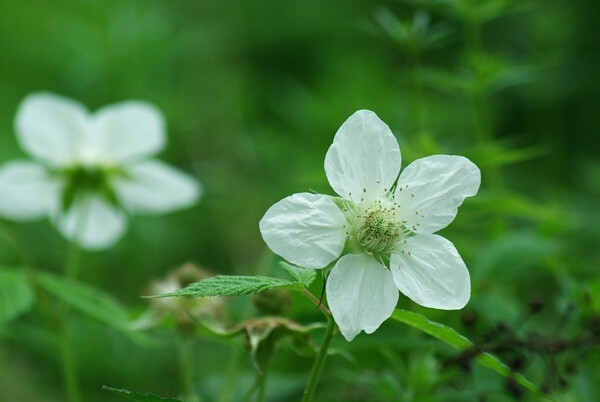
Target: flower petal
[
  {"x": 127, "y": 131},
  {"x": 431, "y": 189},
  {"x": 50, "y": 127},
  {"x": 305, "y": 229},
  {"x": 27, "y": 192},
  {"x": 91, "y": 222},
  {"x": 433, "y": 274},
  {"x": 361, "y": 294},
  {"x": 364, "y": 159},
  {"x": 154, "y": 186}
]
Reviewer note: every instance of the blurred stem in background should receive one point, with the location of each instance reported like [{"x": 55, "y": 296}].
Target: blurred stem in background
[
  {"x": 414, "y": 87},
  {"x": 69, "y": 363},
  {"x": 60, "y": 320},
  {"x": 478, "y": 93},
  {"x": 185, "y": 345},
  {"x": 68, "y": 358},
  {"x": 231, "y": 375}
]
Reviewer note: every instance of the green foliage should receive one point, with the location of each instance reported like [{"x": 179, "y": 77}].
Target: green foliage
[
  {"x": 303, "y": 275},
  {"x": 228, "y": 285},
  {"x": 457, "y": 341},
  {"x": 91, "y": 301},
  {"x": 137, "y": 396},
  {"x": 16, "y": 294}
]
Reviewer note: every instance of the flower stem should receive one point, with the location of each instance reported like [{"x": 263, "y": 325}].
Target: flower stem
[
  {"x": 69, "y": 364},
  {"x": 73, "y": 261},
  {"x": 231, "y": 375},
  {"x": 186, "y": 366},
  {"x": 261, "y": 380},
  {"x": 309, "y": 391},
  {"x": 317, "y": 303}
]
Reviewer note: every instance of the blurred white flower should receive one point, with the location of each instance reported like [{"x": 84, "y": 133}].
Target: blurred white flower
[
  {"x": 385, "y": 223},
  {"x": 91, "y": 169}
]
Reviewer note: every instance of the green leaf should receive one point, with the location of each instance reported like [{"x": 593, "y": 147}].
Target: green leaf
[
  {"x": 227, "y": 285},
  {"x": 87, "y": 299},
  {"x": 137, "y": 396},
  {"x": 16, "y": 294},
  {"x": 304, "y": 275},
  {"x": 456, "y": 340}
]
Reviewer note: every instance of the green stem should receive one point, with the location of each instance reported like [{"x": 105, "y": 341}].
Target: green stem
[
  {"x": 69, "y": 364},
  {"x": 231, "y": 376},
  {"x": 186, "y": 366},
  {"x": 309, "y": 392},
  {"x": 73, "y": 261},
  {"x": 261, "y": 382},
  {"x": 414, "y": 88},
  {"x": 12, "y": 240},
  {"x": 317, "y": 303}
]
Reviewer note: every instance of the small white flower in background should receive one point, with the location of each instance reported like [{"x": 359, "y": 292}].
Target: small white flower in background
[
  {"x": 91, "y": 169},
  {"x": 385, "y": 223}
]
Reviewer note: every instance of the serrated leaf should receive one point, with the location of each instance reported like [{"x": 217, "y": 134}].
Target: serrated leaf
[
  {"x": 87, "y": 299},
  {"x": 16, "y": 294},
  {"x": 304, "y": 275},
  {"x": 456, "y": 340},
  {"x": 137, "y": 396},
  {"x": 229, "y": 285}
]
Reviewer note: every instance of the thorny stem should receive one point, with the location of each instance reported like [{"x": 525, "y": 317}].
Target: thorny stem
[{"x": 315, "y": 373}]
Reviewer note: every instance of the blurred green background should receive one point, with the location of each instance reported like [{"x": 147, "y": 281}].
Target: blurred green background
[{"x": 253, "y": 93}]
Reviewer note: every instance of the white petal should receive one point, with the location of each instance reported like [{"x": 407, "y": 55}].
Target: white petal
[
  {"x": 50, "y": 127},
  {"x": 364, "y": 156},
  {"x": 126, "y": 131},
  {"x": 433, "y": 275},
  {"x": 27, "y": 191},
  {"x": 437, "y": 185},
  {"x": 305, "y": 229},
  {"x": 92, "y": 222},
  {"x": 361, "y": 294},
  {"x": 154, "y": 186}
]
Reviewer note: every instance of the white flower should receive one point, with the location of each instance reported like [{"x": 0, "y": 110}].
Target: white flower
[
  {"x": 383, "y": 224},
  {"x": 91, "y": 168}
]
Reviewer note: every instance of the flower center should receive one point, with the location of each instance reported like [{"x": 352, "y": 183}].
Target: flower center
[
  {"x": 377, "y": 229},
  {"x": 87, "y": 179}
]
